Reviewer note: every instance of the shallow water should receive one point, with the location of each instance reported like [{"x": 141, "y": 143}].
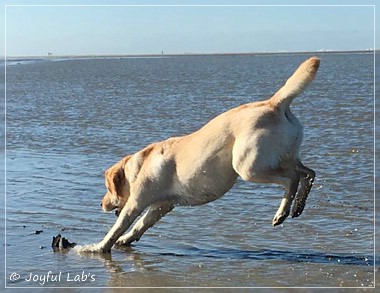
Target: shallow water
[{"x": 69, "y": 120}]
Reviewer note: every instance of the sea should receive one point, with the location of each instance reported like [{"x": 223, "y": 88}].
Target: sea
[{"x": 66, "y": 120}]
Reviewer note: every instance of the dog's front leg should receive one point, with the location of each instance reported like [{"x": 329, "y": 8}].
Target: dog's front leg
[
  {"x": 155, "y": 212},
  {"x": 127, "y": 216}
]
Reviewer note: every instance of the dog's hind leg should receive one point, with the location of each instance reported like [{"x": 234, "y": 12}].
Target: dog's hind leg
[
  {"x": 155, "y": 213},
  {"x": 285, "y": 175},
  {"x": 286, "y": 202},
  {"x": 306, "y": 178}
]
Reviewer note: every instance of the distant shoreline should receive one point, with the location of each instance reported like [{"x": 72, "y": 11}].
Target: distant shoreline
[{"x": 186, "y": 54}]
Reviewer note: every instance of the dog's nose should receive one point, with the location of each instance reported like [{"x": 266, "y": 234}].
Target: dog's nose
[{"x": 101, "y": 204}]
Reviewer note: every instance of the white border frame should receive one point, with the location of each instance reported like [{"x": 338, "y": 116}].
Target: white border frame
[{"x": 184, "y": 5}]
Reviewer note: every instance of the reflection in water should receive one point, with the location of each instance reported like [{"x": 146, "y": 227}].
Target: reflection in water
[
  {"x": 265, "y": 254},
  {"x": 135, "y": 262}
]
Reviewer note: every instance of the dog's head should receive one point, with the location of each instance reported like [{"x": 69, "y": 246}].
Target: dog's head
[{"x": 117, "y": 185}]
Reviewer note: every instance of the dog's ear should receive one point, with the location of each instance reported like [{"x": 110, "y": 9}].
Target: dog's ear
[
  {"x": 118, "y": 180},
  {"x": 115, "y": 179}
]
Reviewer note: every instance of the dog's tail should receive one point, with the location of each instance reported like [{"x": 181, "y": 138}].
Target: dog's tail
[{"x": 304, "y": 74}]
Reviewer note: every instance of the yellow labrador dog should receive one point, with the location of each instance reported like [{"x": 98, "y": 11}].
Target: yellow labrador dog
[{"x": 258, "y": 141}]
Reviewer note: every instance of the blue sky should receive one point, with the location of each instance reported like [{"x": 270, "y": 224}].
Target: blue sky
[{"x": 74, "y": 30}]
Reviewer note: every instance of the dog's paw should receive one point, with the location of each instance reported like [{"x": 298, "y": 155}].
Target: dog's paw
[
  {"x": 91, "y": 248},
  {"x": 279, "y": 218},
  {"x": 125, "y": 241},
  {"x": 122, "y": 243},
  {"x": 298, "y": 207}
]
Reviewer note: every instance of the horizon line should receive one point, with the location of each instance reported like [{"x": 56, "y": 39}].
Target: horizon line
[{"x": 162, "y": 54}]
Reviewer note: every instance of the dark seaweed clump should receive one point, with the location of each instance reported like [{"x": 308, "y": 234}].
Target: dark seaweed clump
[{"x": 61, "y": 243}]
